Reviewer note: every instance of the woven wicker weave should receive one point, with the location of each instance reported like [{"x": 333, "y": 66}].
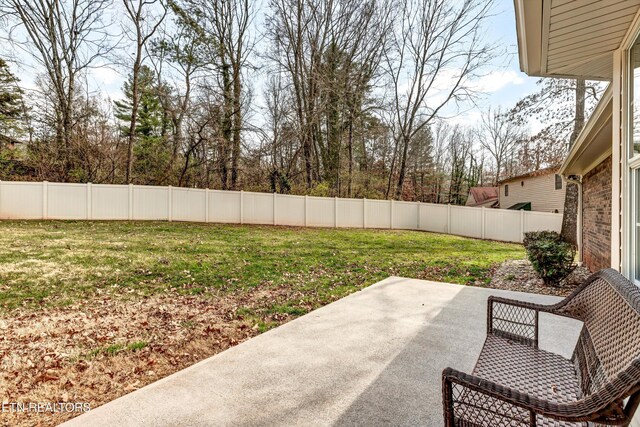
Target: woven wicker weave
[{"x": 514, "y": 383}]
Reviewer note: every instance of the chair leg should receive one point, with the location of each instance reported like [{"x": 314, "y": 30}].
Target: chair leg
[{"x": 447, "y": 403}]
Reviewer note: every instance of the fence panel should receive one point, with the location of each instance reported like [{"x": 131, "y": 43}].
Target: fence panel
[
  {"x": 378, "y": 214},
  {"x": 321, "y": 212},
  {"x": 290, "y": 210},
  {"x": 434, "y": 218},
  {"x": 110, "y": 202},
  {"x": 225, "y": 206},
  {"x": 539, "y": 221},
  {"x": 150, "y": 203},
  {"x": 21, "y": 200},
  {"x": 36, "y": 200},
  {"x": 188, "y": 204},
  {"x": 466, "y": 221},
  {"x": 350, "y": 213},
  {"x": 67, "y": 201},
  {"x": 502, "y": 224},
  {"x": 405, "y": 215},
  {"x": 258, "y": 208}
]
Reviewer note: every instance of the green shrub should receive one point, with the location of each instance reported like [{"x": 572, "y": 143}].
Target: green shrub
[
  {"x": 321, "y": 189},
  {"x": 552, "y": 256}
]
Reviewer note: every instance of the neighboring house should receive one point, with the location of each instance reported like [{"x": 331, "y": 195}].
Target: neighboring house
[
  {"x": 483, "y": 196},
  {"x": 542, "y": 190},
  {"x": 8, "y": 142},
  {"x": 596, "y": 40}
]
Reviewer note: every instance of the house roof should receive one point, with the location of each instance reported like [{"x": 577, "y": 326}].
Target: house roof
[
  {"x": 572, "y": 39},
  {"x": 537, "y": 172},
  {"x": 6, "y": 139},
  {"x": 593, "y": 144},
  {"x": 483, "y": 195}
]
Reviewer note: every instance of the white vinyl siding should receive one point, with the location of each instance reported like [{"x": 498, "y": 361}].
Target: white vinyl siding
[
  {"x": 539, "y": 190},
  {"x": 579, "y": 36}
]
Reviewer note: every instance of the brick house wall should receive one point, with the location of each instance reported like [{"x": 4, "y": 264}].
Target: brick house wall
[{"x": 596, "y": 217}]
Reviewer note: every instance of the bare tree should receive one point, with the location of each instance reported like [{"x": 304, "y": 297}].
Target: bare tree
[
  {"x": 436, "y": 50},
  {"x": 499, "y": 136},
  {"x": 144, "y": 16},
  {"x": 65, "y": 39},
  {"x": 223, "y": 27},
  {"x": 299, "y": 34},
  {"x": 330, "y": 51}
]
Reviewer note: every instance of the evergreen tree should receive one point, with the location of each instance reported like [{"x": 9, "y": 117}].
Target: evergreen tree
[
  {"x": 11, "y": 104},
  {"x": 150, "y": 121},
  {"x": 151, "y": 150}
]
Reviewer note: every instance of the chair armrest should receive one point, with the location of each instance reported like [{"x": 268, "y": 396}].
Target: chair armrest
[
  {"x": 482, "y": 402},
  {"x": 513, "y": 319}
]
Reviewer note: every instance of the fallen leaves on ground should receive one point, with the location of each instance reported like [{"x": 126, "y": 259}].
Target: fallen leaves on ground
[{"x": 99, "y": 350}]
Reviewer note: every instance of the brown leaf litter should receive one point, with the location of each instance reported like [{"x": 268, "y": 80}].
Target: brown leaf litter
[{"x": 101, "y": 349}]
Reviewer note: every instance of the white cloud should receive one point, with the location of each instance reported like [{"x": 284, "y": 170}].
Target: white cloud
[
  {"x": 496, "y": 80},
  {"x": 104, "y": 75}
]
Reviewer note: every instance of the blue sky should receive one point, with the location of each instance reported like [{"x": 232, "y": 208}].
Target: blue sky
[{"x": 503, "y": 29}]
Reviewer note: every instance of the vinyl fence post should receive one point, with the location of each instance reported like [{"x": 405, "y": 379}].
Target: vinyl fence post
[
  {"x": 364, "y": 213},
  {"x": 306, "y": 210},
  {"x": 130, "y": 202},
  {"x": 170, "y": 207},
  {"x": 89, "y": 195},
  {"x": 419, "y": 210},
  {"x": 449, "y": 218},
  {"x": 45, "y": 199},
  {"x": 274, "y": 208},
  {"x": 206, "y": 205},
  {"x": 335, "y": 212},
  {"x": 391, "y": 215},
  {"x": 241, "y": 207},
  {"x": 483, "y": 215},
  {"x": 521, "y": 225}
]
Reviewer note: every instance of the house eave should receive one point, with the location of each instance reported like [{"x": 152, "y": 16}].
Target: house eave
[{"x": 573, "y": 40}]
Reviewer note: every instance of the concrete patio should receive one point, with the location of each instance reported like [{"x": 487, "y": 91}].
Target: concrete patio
[{"x": 373, "y": 358}]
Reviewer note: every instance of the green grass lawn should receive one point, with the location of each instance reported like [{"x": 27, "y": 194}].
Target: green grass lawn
[{"x": 57, "y": 263}]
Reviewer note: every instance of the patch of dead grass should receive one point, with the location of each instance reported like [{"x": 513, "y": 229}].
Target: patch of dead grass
[{"x": 97, "y": 351}]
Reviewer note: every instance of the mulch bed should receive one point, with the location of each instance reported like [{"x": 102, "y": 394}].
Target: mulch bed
[{"x": 519, "y": 275}]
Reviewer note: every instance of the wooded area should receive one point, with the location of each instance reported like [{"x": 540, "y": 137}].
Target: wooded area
[{"x": 324, "y": 97}]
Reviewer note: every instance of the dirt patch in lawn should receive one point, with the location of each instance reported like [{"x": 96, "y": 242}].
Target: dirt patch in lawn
[
  {"x": 519, "y": 275},
  {"x": 96, "y": 351}
]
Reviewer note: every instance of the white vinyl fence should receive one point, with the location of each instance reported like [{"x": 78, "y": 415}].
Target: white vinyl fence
[{"x": 48, "y": 200}]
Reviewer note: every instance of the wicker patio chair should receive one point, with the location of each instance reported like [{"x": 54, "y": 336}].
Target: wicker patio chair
[{"x": 514, "y": 383}]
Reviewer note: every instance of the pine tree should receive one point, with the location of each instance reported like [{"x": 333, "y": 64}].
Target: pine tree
[
  {"x": 150, "y": 119},
  {"x": 11, "y": 104},
  {"x": 151, "y": 152}
]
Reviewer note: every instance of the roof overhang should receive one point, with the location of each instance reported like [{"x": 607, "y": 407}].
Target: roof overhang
[
  {"x": 571, "y": 39},
  {"x": 593, "y": 145}
]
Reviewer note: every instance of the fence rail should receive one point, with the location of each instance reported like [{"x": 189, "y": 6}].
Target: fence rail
[{"x": 49, "y": 200}]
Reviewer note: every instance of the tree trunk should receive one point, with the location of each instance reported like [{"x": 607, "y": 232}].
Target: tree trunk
[
  {"x": 135, "y": 100},
  {"x": 350, "y": 179},
  {"x": 403, "y": 168},
  {"x": 227, "y": 127},
  {"x": 237, "y": 126},
  {"x": 570, "y": 218}
]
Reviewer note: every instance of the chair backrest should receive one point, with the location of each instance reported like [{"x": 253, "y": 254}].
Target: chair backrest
[{"x": 609, "y": 306}]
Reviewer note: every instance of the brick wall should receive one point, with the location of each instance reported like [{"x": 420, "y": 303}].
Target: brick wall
[{"x": 596, "y": 211}]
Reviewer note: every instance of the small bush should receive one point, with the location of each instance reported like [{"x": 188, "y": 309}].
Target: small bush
[
  {"x": 552, "y": 256},
  {"x": 321, "y": 189}
]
